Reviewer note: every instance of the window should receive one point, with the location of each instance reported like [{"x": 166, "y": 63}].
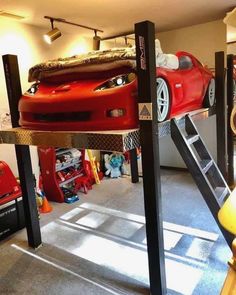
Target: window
[{"x": 185, "y": 62}]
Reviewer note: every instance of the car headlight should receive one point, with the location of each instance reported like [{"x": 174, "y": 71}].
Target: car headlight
[
  {"x": 117, "y": 81},
  {"x": 33, "y": 89}
]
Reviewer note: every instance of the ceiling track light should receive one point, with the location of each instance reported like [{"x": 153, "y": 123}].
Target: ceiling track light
[
  {"x": 126, "y": 34},
  {"x": 55, "y": 32},
  {"x": 96, "y": 41}
]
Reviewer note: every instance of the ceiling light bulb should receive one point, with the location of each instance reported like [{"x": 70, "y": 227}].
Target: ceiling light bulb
[
  {"x": 47, "y": 39},
  {"x": 52, "y": 35}
]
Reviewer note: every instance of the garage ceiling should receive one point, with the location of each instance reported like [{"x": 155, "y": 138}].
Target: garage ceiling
[{"x": 115, "y": 17}]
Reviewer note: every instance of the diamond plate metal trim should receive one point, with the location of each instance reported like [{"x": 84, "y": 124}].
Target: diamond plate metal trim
[
  {"x": 131, "y": 142},
  {"x": 164, "y": 127},
  {"x": 119, "y": 141}
]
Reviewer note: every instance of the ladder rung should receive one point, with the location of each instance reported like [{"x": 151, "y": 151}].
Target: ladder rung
[
  {"x": 192, "y": 138},
  {"x": 206, "y": 165},
  {"x": 221, "y": 193}
]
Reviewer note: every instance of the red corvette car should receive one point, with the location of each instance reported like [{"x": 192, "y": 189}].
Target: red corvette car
[{"x": 108, "y": 101}]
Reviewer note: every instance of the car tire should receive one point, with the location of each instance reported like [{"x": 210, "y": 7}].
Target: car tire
[
  {"x": 209, "y": 99},
  {"x": 163, "y": 99}
]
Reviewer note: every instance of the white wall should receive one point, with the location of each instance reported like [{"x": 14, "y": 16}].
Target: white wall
[
  {"x": 231, "y": 48},
  {"x": 170, "y": 157},
  {"x": 202, "y": 41},
  {"x": 27, "y": 43}
]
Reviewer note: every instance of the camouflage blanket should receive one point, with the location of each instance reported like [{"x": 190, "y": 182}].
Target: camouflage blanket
[{"x": 94, "y": 61}]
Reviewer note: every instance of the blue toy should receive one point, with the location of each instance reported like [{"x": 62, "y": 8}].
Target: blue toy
[{"x": 114, "y": 164}]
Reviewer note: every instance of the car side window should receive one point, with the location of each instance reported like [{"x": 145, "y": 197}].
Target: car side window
[{"x": 185, "y": 62}]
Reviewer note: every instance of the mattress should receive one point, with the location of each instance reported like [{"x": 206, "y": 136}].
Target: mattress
[{"x": 92, "y": 62}]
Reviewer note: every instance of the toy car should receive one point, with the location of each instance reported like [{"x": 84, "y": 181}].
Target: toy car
[
  {"x": 69, "y": 196},
  {"x": 108, "y": 100}
]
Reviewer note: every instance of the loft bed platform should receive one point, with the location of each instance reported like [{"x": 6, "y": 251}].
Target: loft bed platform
[
  {"x": 196, "y": 115},
  {"x": 118, "y": 140}
]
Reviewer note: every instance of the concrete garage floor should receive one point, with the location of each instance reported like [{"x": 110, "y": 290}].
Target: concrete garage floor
[{"x": 98, "y": 246}]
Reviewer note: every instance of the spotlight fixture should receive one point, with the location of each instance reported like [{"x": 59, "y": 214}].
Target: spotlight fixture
[
  {"x": 96, "y": 41},
  {"x": 53, "y": 34}
]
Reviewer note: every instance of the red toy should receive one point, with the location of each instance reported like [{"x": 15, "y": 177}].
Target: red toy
[
  {"x": 83, "y": 182},
  {"x": 109, "y": 102},
  {"x": 9, "y": 188},
  {"x": 52, "y": 180}
]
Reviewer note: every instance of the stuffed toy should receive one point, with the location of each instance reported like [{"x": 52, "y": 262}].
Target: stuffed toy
[
  {"x": 169, "y": 61},
  {"x": 114, "y": 164}
]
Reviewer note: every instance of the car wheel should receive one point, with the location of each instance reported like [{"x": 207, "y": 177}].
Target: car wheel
[
  {"x": 163, "y": 100},
  {"x": 209, "y": 99}
]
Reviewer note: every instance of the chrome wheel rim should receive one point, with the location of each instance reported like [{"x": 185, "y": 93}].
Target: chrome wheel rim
[
  {"x": 211, "y": 92},
  {"x": 163, "y": 99}
]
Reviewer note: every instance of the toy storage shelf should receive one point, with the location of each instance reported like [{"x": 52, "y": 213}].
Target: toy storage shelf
[
  {"x": 64, "y": 166},
  {"x": 69, "y": 180},
  {"x": 49, "y": 170},
  {"x": 119, "y": 141},
  {"x": 61, "y": 152}
]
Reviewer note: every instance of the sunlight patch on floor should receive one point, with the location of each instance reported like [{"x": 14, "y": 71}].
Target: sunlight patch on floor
[{"x": 101, "y": 236}]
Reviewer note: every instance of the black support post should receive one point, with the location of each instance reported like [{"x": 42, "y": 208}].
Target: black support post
[
  {"x": 134, "y": 166},
  {"x": 221, "y": 114},
  {"x": 230, "y": 103},
  {"x": 22, "y": 153},
  {"x": 147, "y": 99}
]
